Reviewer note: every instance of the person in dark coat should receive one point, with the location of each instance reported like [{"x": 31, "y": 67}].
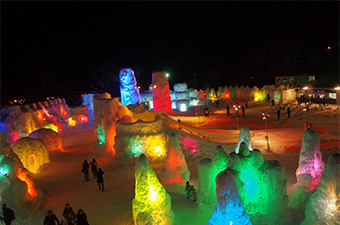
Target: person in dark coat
[
  {"x": 188, "y": 189},
  {"x": 94, "y": 167},
  {"x": 8, "y": 214},
  {"x": 69, "y": 215},
  {"x": 100, "y": 179},
  {"x": 228, "y": 111},
  {"x": 82, "y": 218},
  {"x": 273, "y": 104},
  {"x": 51, "y": 218},
  {"x": 243, "y": 111},
  {"x": 85, "y": 170},
  {"x": 288, "y": 111},
  {"x": 278, "y": 114}
]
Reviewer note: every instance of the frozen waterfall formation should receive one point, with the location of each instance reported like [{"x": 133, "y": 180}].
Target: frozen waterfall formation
[
  {"x": 311, "y": 165},
  {"x": 152, "y": 204},
  {"x": 161, "y": 92},
  {"x": 129, "y": 90},
  {"x": 175, "y": 173}
]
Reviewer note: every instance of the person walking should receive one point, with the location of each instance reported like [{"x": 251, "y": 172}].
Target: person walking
[
  {"x": 243, "y": 111},
  {"x": 85, "y": 170},
  {"x": 8, "y": 214},
  {"x": 273, "y": 104},
  {"x": 188, "y": 189},
  {"x": 94, "y": 167},
  {"x": 228, "y": 111},
  {"x": 100, "y": 179},
  {"x": 278, "y": 114},
  {"x": 288, "y": 111},
  {"x": 51, "y": 218},
  {"x": 69, "y": 215},
  {"x": 193, "y": 193},
  {"x": 82, "y": 218}
]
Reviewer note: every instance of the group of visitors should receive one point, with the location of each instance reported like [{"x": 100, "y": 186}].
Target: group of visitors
[
  {"x": 98, "y": 174},
  {"x": 190, "y": 190},
  {"x": 70, "y": 217}
]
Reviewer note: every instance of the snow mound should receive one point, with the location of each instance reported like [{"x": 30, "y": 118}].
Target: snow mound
[
  {"x": 51, "y": 138},
  {"x": 33, "y": 153}
]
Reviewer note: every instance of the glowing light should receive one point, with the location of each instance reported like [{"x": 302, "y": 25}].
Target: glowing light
[
  {"x": 167, "y": 75},
  {"x": 305, "y": 88},
  {"x": 52, "y": 127},
  {"x": 15, "y": 101},
  {"x": 151, "y": 104},
  {"x": 71, "y": 122},
  {"x": 329, "y": 47},
  {"x": 22, "y": 175},
  {"x": 3, "y": 172},
  {"x": 83, "y": 119},
  {"x": 337, "y": 88},
  {"x": 154, "y": 86},
  {"x": 183, "y": 107},
  {"x": 193, "y": 151},
  {"x": 152, "y": 194},
  {"x": 256, "y": 99}
]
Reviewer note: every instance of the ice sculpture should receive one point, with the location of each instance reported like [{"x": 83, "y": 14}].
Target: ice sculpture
[
  {"x": 261, "y": 186},
  {"x": 88, "y": 100},
  {"x": 152, "y": 204},
  {"x": 311, "y": 165},
  {"x": 323, "y": 206},
  {"x": 161, "y": 93},
  {"x": 245, "y": 138},
  {"x": 229, "y": 209},
  {"x": 17, "y": 188},
  {"x": 51, "y": 138},
  {"x": 212, "y": 95},
  {"x": 180, "y": 87},
  {"x": 207, "y": 172},
  {"x": 175, "y": 172},
  {"x": 129, "y": 90},
  {"x": 201, "y": 95},
  {"x": 33, "y": 153},
  {"x": 225, "y": 94}
]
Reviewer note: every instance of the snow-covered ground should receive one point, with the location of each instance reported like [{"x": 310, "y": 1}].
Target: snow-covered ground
[{"x": 62, "y": 181}]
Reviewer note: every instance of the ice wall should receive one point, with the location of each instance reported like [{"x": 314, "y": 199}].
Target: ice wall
[
  {"x": 88, "y": 101},
  {"x": 129, "y": 91},
  {"x": 33, "y": 153},
  {"x": 311, "y": 165},
  {"x": 229, "y": 209},
  {"x": 161, "y": 92},
  {"x": 245, "y": 138},
  {"x": 323, "y": 206},
  {"x": 139, "y": 137},
  {"x": 152, "y": 204},
  {"x": 262, "y": 186},
  {"x": 175, "y": 172}
]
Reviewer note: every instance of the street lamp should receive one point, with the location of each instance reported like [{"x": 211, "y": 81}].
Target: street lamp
[
  {"x": 265, "y": 118},
  {"x": 236, "y": 107}
]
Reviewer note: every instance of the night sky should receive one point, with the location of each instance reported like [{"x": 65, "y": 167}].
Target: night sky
[{"x": 61, "y": 47}]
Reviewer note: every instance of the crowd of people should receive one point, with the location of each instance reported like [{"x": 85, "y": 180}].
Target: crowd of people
[{"x": 69, "y": 217}]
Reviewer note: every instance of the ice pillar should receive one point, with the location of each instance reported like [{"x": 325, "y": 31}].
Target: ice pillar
[
  {"x": 161, "y": 92},
  {"x": 323, "y": 207},
  {"x": 175, "y": 172},
  {"x": 128, "y": 87},
  {"x": 311, "y": 165},
  {"x": 229, "y": 209},
  {"x": 244, "y": 137},
  {"x": 152, "y": 204}
]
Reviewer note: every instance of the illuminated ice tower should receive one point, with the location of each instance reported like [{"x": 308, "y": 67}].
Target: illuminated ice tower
[
  {"x": 161, "y": 93},
  {"x": 129, "y": 90}
]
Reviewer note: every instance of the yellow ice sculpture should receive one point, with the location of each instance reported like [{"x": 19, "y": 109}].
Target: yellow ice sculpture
[{"x": 152, "y": 204}]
